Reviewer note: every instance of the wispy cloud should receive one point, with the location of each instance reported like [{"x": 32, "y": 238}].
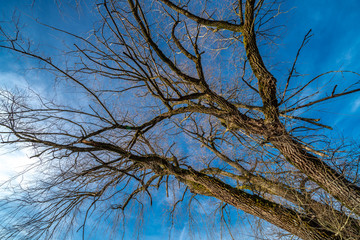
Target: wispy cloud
[
  {"x": 355, "y": 105},
  {"x": 10, "y": 80}
]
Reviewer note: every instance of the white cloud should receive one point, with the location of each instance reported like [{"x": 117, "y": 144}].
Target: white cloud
[{"x": 13, "y": 163}]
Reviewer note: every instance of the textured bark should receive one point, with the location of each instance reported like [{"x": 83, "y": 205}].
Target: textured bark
[
  {"x": 283, "y": 217},
  {"x": 337, "y": 185},
  {"x": 298, "y": 224},
  {"x": 266, "y": 81}
]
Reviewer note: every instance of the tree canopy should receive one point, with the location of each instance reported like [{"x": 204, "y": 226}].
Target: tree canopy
[{"x": 180, "y": 98}]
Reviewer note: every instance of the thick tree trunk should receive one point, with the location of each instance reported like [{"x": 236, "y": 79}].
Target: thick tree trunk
[
  {"x": 332, "y": 182},
  {"x": 335, "y": 184},
  {"x": 296, "y": 223},
  {"x": 285, "y": 218}
]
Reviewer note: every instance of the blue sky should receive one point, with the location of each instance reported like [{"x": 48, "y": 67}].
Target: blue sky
[{"x": 335, "y": 45}]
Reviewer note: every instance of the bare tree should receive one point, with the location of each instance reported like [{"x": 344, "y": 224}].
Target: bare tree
[{"x": 162, "y": 107}]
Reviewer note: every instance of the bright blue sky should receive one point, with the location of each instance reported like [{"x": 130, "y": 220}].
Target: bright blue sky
[{"x": 334, "y": 46}]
